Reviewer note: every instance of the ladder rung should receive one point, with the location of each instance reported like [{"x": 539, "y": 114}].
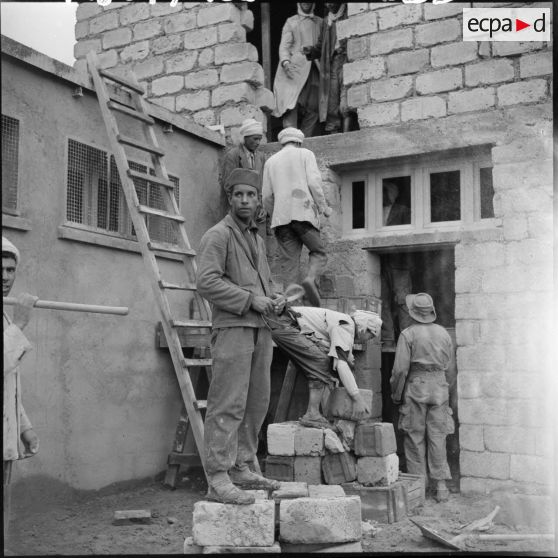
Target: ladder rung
[
  {"x": 155, "y": 246},
  {"x": 200, "y": 404},
  {"x": 123, "y": 81},
  {"x": 177, "y": 286},
  {"x": 152, "y": 179},
  {"x": 131, "y": 112},
  {"x": 190, "y": 323},
  {"x": 188, "y": 459},
  {"x": 160, "y": 213},
  {"x": 140, "y": 145},
  {"x": 197, "y": 362}
]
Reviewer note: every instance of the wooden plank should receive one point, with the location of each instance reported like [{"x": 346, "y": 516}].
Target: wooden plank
[
  {"x": 190, "y": 323},
  {"x": 188, "y": 338},
  {"x": 151, "y": 179},
  {"x": 171, "y": 475},
  {"x": 189, "y": 460},
  {"x": 159, "y": 247},
  {"x": 132, "y": 142},
  {"x": 286, "y": 393},
  {"x": 177, "y": 286},
  {"x": 129, "y": 83},
  {"x": 123, "y": 517},
  {"x": 266, "y": 46},
  {"x": 131, "y": 112},
  {"x": 159, "y": 213},
  {"x": 197, "y": 362}
]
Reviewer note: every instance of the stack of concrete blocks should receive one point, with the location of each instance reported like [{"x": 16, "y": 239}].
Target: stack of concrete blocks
[{"x": 296, "y": 518}]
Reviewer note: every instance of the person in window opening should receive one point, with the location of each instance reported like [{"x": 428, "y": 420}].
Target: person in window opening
[
  {"x": 331, "y": 52},
  {"x": 319, "y": 342},
  {"x": 293, "y": 197},
  {"x": 394, "y": 213},
  {"x": 19, "y": 438},
  {"x": 247, "y": 155},
  {"x": 234, "y": 276},
  {"x": 423, "y": 366},
  {"x": 297, "y": 80}
]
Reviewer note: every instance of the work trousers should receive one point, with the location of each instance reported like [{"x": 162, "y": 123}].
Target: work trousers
[
  {"x": 337, "y": 98},
  {"x": 7, "y": 496},
  {"x": 396, "y": 284},
  {"x": 238, "y": 396},
  {"x": 426, "y": 419},
  {"x": 290, "y": 239},
  {"x": 306, "y": 108}
]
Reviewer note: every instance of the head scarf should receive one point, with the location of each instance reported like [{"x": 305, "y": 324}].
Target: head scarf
[
  {"x": 8, "y": 247},
  {"x": 290, "y": 134},
  {"x": 251, "y": 127},
  {"x": 310, "y": 14}
]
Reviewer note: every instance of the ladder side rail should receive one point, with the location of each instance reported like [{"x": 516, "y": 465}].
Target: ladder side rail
[{"x": 142, "y": 233}]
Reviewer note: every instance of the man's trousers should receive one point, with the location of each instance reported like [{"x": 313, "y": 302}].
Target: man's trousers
[
  {"x": 238, "y": 396},
  {"x": 426, "y": 419}
]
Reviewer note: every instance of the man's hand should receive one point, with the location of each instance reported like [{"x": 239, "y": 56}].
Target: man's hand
[
  {"x": 327, "y": 211},
  {"x": 279, "y": 302},
  {"x": 30, "y": 441},
  {"x": 262, "y": 304},
  {"x": 22, "y": 309},
  {"x": 288, "y": 70},
  {"x": 360, "y": 408},
  {"x": 396, "y": 399},
  {"x": 335, "y": 363}
]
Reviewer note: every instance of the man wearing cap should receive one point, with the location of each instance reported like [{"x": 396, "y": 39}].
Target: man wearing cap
[
  {"x": 423, "y": 357},
  {"x": 319, "y": 342},
  {"x": 293, "y": 196},
  {"x": 20, "y": 440},
  {"x": 297, "y": 80},
  {"x": 233, "y": 275}
]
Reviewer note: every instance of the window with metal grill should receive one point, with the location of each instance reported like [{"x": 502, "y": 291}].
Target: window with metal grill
[
  {"x": 94, "y": 197},
  {"x": 10, "y": 154}
]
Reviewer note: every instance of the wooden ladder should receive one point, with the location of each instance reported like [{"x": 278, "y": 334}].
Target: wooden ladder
[{"x": 137, "y": 109}]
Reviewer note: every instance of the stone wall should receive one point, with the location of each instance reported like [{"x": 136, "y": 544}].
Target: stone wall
[{"x": 192, "y": 58}]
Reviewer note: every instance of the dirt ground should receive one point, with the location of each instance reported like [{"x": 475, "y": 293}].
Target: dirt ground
[{"x": 84, "y": 525}]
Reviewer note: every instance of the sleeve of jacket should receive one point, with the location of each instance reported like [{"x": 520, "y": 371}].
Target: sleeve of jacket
[
  {"x": 316, "y": 50},
  {"x": 24, "y": 422},
  {"x": 230, "y": 162},
  {"x": 287, "y": 41},
  {"x": 267, "y": 190},
  {"x": 401, "y": 366},
  {"x": 314, "y": 179},
  {"x": 16, "y": 346},
  {"x": 210, "y": 279}
]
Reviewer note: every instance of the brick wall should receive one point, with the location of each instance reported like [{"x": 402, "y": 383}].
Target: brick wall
[{"x": 192, "y": 58}]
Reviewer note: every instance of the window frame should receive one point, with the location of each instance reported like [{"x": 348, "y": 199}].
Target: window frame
[{"x": 15, "y": 212}]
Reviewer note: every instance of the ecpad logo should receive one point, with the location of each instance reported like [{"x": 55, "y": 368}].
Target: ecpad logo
[{"x": 506, "y": 24}]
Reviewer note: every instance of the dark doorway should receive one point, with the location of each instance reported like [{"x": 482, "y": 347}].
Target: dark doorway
[{"x": 432, "y": 272}]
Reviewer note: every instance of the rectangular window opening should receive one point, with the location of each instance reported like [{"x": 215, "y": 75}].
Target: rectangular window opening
[
  {"x": 486, "y": 193},
  {"x": 359, "y": 204},
  {"x": 10, "y": 155},
  {"x": 396, "y": 201},
  {"x": 445, "y": 196}
]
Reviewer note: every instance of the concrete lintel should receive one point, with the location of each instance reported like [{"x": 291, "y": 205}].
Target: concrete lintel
[{"x": 27, "y": 55}]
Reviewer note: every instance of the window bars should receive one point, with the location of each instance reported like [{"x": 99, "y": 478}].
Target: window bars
[{"x": 10, "y": 153}]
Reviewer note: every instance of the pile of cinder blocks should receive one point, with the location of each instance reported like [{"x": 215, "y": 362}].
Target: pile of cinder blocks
[{"x": 296, "y": 518}]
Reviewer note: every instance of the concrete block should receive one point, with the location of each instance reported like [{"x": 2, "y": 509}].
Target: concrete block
[
  {"x": 522, "y": 92},
  {"x": 179, "y": 22},
  {"x": 234, "y": 116},
  {"x": 304, "y": 549},
  {"x": 290, "y": 490},
  {"x": 108, "y": 59},
  {"x": 391, "y": 88},
  {"x": 231, "y": 32},
  {"x": 275, "y": 548},
  {"x": 264, "y": 99},
  {"x": 363, "y": 70},
  {"x": 453, "y": 54},
  {"x": 166, "y": 102},
  {"x": 484, "y": 464},
  {"x": 438, "y": 32},
  {"x": 259, "y": 494},
  {"x": 468, "y": 101},
  {"x": 192, "y": 101},
  {"x": 280, "y": 467},
  {"x": 325, "y": 491},
  {"x": 384, "y": 504},
  {"x": 357, "y": 95},
  {"x": 81, "y": 30},
  {"x": 237, "y": 52},
  {"x": 438, "y": 11},
  {"x": 375, "y": 440},
  {"x": 309, "y": 441},
  {"x": 250, "y": 72},
  {"x": 398, "y": 16},
  {"x": 339, "y": 468},
  {"x": 81, "y": 48},
  {"x": 200, "y": 38},
  {"x": 131, "y": 13},
  {"x": 137, "y": 51},
  {"x": 237, "y": 93},
  {"x": 354, "y": 8},
  {"x": 320, "y": 520},
  {"x": 167, "y": 84},
  {"x": 149, "y": 68},
  {"x": 471, "y": 437},
  {"x": 217, "y": 13},
  {"x": 117, "y": 38},
  {"x": 509, "y": 439},
  {"x": 363, "y": 23},
  {"x": 410, "y": 62},
  {"x": 217, "y": 524},
  {"x": 346, "y": 432},
  {"x": 147, "y": 30},
  {"x": 340, "y": 405},
  {"x": 423, "y": 107},
  {"x": 441, "y": 80},
  {"x": 180, "y": 63},
  {"x": 165, "y": 8},
  {"x": 390, "y": 41},
  {"x": 190, "y": 547},
  {"x": 308, "y": 469},
  {"x": 85, "y": 11},
  {"x": 538, "y": 64},
  {"x": 490, "y": 71},
  {"x": 124, "y": 517},
  {"x": 247, "y": 19},
  {"x": 281, "y": 438},
  {"x": 378, "y": 470},
  {"x": 357, "y": 47},
  {"x": 166, "y": 44},
  {"x": 531, "y": 468},
  {"x": 103, "y": 22},
  {"x": 203, "y": 79},
  {"x": 205, "y": 117},
  {"x": 378, "y": 114},
  {"x": 509, "y": 48}
]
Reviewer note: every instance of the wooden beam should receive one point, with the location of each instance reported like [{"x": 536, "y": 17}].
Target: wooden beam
[{"x": 266, "y": 43}]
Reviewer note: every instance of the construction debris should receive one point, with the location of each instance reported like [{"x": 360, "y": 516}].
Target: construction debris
[{"x": 125, "y": 517}]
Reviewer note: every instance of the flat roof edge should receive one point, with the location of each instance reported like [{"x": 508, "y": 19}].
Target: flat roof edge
[{"x": 30, "y": 56}]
